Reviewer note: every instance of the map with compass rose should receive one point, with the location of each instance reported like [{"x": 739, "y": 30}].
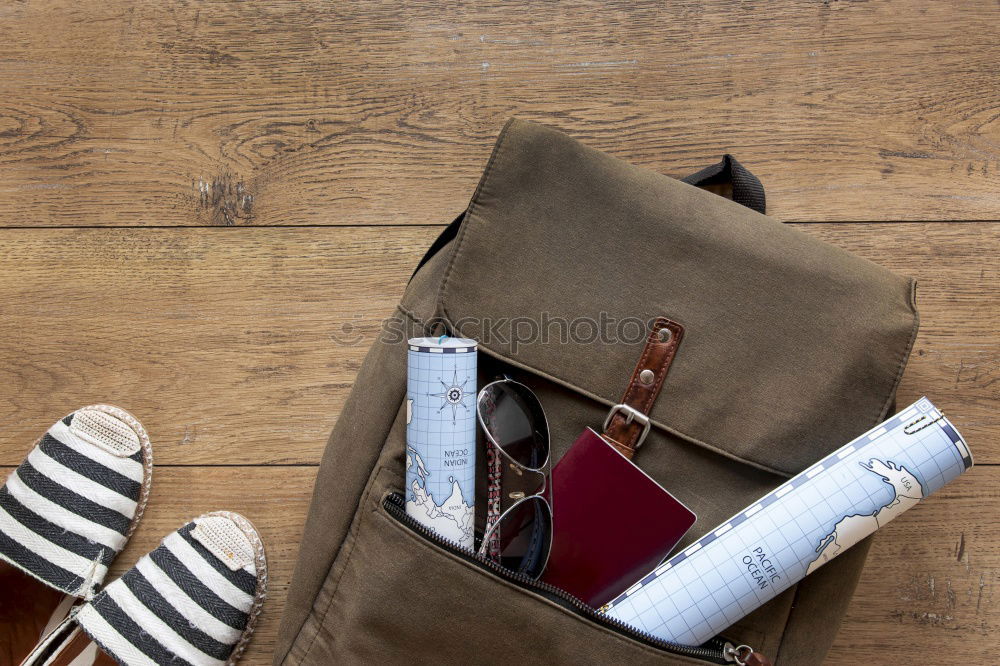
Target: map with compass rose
[
  {"x": 454, "y": 396},
  {"x": 441, "y": 439}
]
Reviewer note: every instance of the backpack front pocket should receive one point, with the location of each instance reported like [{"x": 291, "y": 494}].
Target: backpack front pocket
[
  {"x": 714, "y": 652},
  {"x": 399, "y": 594}
]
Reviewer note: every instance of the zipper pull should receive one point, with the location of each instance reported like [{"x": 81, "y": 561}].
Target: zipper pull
[{"x": 744, "y": 655}]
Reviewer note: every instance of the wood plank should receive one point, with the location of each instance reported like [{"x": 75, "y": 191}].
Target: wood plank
[
  {"x": 223, "y": 341},
  {"x": 300, "y": 112},
  {"x": 275, "y": 499},
  {"x": 928, "y": 590},
  {"x": 928, "y": 587}
]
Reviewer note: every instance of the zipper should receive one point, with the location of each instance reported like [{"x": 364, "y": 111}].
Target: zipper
[{"x": 718, "y": 650}]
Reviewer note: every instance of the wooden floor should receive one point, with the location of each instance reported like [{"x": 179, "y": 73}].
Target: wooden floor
[{"x": 199, "y": 201}]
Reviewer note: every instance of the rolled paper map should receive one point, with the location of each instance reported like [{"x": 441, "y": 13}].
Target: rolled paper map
[
  {"x": 441, "y": 436},
  {"x": 797, "y": 528}
]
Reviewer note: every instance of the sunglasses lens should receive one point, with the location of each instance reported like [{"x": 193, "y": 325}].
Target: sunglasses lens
[
  {"x": 525, "y": 537},
  {"x": 514, "y": 419}
]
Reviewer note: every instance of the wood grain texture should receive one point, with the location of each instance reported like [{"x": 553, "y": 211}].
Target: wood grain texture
[
  {"x": 929, "y": 590},
  {"x": 307, "y": 112},
  {"x": 226, "y": 343},
  {"x": 125, "y": 124}
]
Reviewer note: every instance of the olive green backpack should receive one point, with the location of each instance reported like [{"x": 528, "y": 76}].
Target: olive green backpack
[{"x": 792, "y": 347}]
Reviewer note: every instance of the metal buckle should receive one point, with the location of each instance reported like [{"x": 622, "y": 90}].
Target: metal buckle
[{"x": 631, "y": 414}]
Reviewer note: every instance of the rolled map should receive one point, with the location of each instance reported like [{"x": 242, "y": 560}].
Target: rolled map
[
  {"x": 794, "y": 530},
  {"x": 441, "y": 436}
]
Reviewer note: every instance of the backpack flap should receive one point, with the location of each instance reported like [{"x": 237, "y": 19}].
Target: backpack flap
[{"x": 791, "y": 347}]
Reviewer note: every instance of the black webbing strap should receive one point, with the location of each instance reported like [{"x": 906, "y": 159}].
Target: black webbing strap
[
  {"x": 747, "y": 191},
  {"x": 446, "y": 237}
]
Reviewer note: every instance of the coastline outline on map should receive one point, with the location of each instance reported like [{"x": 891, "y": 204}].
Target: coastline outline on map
[
  {"x": 796, "y": 528},
  {"x": 851, "y": 529},
  {"x": 440, "y": 450},
  {"x": 453, "y": 518}
]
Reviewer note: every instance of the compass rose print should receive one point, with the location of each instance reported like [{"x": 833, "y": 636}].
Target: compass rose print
[{"x": 454, "y": 395}]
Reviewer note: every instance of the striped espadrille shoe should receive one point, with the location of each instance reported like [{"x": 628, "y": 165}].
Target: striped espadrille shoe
[
  {"x": 192, "y": 601},
  {"x": 65, "y": 514}
]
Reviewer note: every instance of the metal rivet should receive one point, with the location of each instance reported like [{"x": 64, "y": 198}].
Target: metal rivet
[
  {"x": 647, "y": 376},
  {"x": 664, "y": 334}
]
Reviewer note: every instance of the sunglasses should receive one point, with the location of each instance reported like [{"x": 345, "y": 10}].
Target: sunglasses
[{"x": 519, "y": 510}]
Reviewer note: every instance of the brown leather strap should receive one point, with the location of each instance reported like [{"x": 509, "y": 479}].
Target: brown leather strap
[
  {"x": 757, "y": 659},
  {"x": 627, "y": 423}
]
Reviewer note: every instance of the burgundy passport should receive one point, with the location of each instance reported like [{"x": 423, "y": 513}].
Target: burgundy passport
[{"x": 612, "y": 522}]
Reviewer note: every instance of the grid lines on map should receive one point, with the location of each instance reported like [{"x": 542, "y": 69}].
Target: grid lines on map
[
  {"x": 771, "y": 545},
  {"x": 439, "y": 423}
]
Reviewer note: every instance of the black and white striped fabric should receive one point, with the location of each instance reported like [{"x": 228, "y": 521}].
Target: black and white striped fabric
[
  {"x": 193, "y": 600},
  {"x": 68, "y": 509}
]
